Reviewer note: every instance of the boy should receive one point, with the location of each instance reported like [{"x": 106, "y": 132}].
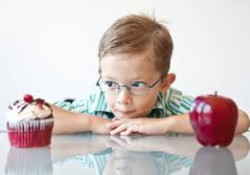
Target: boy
[{"x": 134, "y": 59}]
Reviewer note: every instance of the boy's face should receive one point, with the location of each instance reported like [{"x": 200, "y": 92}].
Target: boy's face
[{"x": 128, "y": 69}]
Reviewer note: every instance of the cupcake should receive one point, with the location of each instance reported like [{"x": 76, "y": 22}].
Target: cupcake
[{"x": 29, "y": 123}]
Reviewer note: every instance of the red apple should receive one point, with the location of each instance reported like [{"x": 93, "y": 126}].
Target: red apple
[{"x": 214, "y": 119}]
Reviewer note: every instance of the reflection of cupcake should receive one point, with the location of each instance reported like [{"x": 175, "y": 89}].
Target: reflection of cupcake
[
  {"x": 29, "y": 123},
  {"x": 29, "y": 161}
]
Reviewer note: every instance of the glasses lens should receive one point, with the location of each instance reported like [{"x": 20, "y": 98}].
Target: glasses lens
[
  {"x": 109, "y": 87},
  {"x": 138, "y": 88}
]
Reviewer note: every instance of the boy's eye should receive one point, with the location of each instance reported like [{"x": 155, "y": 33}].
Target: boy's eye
[
  {"x": 109, "y": 84},
  {"x": 139, "y": 85}
]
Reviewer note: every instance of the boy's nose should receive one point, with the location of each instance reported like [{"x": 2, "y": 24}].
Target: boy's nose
[{"x": 124, "y": 97}]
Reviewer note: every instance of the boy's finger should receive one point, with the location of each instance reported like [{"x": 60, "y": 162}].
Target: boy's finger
[
  {"x": 119, "y": 129},
  {"x": 114, "y": 124},
  {"x": 114, "y": 119},
  {"x": 130, "y": 130},
  {"x": 127, "y": 132}
]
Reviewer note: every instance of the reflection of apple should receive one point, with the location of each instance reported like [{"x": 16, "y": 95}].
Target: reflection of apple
[
  {"x": 214, "y": 119},
  {"x": 211, "y": 161}
]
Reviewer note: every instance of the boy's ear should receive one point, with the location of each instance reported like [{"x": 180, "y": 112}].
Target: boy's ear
[{"x": 167, "y": 81}]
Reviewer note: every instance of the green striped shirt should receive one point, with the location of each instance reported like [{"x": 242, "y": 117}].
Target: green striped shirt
[{"x": 168, "y": 103}]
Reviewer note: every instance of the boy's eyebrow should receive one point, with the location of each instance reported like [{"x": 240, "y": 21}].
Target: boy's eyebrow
[
  {"x": 108, "y": 77},
  {"x": 114, "y": 79}
]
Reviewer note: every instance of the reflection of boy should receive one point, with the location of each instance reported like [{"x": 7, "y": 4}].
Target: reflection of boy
[
  {"x": 120, "y": 162},
  {"x": 134, "y": 60},
  {"x": 127, "y": 162}
]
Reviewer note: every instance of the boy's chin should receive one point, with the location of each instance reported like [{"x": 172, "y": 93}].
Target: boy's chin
[{"x": 119, "y": 117}]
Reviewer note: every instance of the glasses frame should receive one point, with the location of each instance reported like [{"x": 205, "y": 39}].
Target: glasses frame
[{"x": 128, "y": 87}]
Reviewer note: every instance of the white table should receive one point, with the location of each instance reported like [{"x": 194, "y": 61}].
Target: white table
[{"x": 138, "y": 154}]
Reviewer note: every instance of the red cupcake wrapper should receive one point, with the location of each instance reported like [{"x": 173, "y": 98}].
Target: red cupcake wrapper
[{"x": 34, "y": 133}]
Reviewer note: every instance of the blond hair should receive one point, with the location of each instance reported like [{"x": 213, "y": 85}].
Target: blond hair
[{"x": 135, "y": 34}]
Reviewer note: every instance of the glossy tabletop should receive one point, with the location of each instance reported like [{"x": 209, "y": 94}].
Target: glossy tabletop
[{"x": 137, "y": 154}]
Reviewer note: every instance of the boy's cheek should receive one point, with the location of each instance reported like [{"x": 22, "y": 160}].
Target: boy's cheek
[{"x": 110, "y": 102}]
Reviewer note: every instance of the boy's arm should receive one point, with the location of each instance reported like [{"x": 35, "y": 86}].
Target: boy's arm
[
  {"x": 243, "y": 122},
  {"x": 156, "y": 126},
  {"x": 181, "y": 123},
  {"x": 67, "y": 122}
]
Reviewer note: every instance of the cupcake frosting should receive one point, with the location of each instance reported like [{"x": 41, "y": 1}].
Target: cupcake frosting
[{"x": 28, "y": 110}]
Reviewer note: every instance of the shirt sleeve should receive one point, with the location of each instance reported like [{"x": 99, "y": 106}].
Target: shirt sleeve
[
  {"x": 94, "y": 104},
  {"x": 82, "y": 106},
  {"x": 177, "y": 103}
]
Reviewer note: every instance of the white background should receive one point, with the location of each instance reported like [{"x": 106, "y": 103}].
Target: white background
[{"x": 48, "y": 48}]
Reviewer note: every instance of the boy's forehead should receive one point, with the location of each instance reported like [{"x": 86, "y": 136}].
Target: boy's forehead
[
  {"x": 131, "y": 66},
  {"x": 142, "y": 57},
  {"x": 133, "y": 59}
]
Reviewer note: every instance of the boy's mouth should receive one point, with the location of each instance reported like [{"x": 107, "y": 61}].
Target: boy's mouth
[{"x": 124, "y": 113}]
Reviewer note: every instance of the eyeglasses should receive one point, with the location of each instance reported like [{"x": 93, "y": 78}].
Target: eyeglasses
[{"x": 136, "y": 88}]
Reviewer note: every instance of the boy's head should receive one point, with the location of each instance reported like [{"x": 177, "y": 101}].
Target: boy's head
[
  {"x": 135, "y": 34},
  {"x": 134, "y": 59}
]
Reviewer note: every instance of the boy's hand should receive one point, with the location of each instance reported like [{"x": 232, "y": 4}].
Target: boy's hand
[
  {"x": 99, "y": 125},
  {"x": 149, "y": 126}
]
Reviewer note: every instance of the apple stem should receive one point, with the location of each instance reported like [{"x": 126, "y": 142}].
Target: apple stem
[{"x": 215, "y": 93}]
